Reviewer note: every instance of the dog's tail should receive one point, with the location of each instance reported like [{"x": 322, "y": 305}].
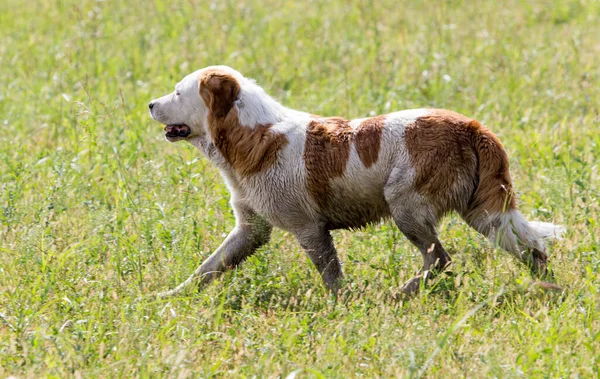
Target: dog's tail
[{"x": 493, "y": 207}]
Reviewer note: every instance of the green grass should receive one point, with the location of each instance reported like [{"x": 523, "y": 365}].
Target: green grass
[{"x": 96, "y": 209}]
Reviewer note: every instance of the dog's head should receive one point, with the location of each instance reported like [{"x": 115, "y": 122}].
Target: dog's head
[{"x": 212, "y": 91}]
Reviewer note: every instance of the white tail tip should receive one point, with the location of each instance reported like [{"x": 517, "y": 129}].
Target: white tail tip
[{"x": 548, "y": 230}]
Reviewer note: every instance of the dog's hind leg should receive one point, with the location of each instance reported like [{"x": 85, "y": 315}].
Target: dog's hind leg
[
  {"x": 417, "y": 220},
  {"x": 318, "y": 245},
  {"x": 250, "y": 233}
]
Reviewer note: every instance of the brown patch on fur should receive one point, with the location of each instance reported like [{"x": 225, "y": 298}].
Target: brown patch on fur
[
  {"x": 326, "y": 153},
  {"x": 453, "y": 156},
  {"x": 368, "y": 139},
  {"x": 247, "y": 150},
  {"x": 495, "y": 192}
]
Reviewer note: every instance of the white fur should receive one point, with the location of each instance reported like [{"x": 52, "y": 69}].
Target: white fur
[
  {"x": 516, "y": 235},
  {"x": 255, "y": 107}
]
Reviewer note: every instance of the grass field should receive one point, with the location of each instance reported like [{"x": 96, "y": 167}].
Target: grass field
[{"x": 97, "y": 209}]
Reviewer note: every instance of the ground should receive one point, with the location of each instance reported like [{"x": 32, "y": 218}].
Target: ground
[{"x": 98, "y": 210}]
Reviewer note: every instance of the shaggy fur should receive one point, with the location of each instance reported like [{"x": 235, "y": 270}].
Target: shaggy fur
[{"x": 309, "y": 174}]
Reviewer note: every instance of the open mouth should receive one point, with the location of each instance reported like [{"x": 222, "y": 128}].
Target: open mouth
[{"x": 173, "y": 131}]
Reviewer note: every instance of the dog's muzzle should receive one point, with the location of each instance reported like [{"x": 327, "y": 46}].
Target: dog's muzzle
[{"x": 177, "y": 131}]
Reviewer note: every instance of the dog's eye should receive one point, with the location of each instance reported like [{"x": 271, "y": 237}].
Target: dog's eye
[{"x": 177, "y": 93}]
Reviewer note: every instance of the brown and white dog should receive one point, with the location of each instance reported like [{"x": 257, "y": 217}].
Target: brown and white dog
[{"x": 309, "y": 174}]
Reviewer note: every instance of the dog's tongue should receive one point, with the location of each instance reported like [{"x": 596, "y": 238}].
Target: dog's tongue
[{"x": 177, "y": 130}]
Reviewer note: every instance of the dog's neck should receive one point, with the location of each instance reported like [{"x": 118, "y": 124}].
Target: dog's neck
[
  {"x": 248, "y": 138},
  {"x": 207, "y": 147},
  {"x": 255, "y": 107}
]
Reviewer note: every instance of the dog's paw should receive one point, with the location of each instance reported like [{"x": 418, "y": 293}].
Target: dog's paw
[{"x": 412, "y": 286}]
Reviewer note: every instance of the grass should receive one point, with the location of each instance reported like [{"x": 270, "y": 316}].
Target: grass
[{"x": 96, "y": 209}]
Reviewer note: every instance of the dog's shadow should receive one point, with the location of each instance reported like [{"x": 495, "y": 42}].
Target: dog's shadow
[
  {"x": 264, "y": 288},
  {"x": 444, "y": 291}
]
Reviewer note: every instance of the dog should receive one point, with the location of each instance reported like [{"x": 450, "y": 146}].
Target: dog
[{"x": 309, "y": 175}]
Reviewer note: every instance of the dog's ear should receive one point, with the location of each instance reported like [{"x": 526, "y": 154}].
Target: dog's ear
[{"x": 219, "y": 90}]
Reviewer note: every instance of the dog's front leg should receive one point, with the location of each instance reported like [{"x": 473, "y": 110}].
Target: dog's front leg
[
  {"x": 318, "y": 245},
  {"x": 250, "y": 233}
]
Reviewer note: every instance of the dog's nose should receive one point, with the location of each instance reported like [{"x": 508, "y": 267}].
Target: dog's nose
[{"x": 150, "y": 105}]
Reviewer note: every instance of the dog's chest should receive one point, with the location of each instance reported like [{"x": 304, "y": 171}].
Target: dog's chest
[{"x": 281, "y": 199}]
